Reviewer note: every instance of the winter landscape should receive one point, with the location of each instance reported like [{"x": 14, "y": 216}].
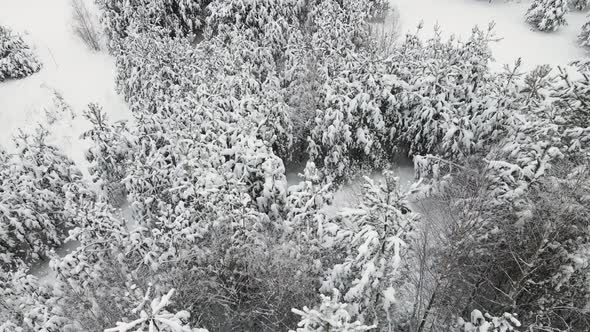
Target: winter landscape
[{"x": 295, "y": 165}]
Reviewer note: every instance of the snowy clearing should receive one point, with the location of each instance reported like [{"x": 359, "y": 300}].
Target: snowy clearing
[
  {"x": 69, "y": 67},
  {"x": 518, "y": 39}
]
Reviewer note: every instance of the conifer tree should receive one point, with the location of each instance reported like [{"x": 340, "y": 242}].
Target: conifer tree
[
  {"x": 584, "y": 36},
  {"x": 17, "y": 59},
  {"x": 547, "y": 15},
  {"x": 579, "y": 4},
  {"x": 40, "y": 189}
]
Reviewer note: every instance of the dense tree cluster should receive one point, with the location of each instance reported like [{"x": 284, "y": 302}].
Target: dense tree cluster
[
  {"x": 17, "y": 59},
  {"x": 40, "y": 190},
  {"x": 493, "y": 237}
]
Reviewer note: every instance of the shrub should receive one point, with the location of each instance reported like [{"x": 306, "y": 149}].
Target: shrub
[
  {"x": 179, "y": 18},
  {"x": 17, "y": 60},
  {"x": 39, "y": 191},
  {"x": 547, "y": 15}
]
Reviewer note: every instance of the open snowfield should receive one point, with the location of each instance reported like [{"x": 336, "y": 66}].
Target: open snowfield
[
  {"x": 69, "y": 67},
  {"x": 518, "y": 40}
]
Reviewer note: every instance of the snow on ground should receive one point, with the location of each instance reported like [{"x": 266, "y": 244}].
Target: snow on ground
[
  {"x": 460, "y": 16},
  {"x": 69, "y": 67},
  {"x": 349, "y": 195}
]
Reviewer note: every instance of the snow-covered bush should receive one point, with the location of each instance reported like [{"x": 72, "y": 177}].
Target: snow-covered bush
[
  {"x": 30, "y": 305},
  {"x": 17, "y": 59},
  {"x": 547, "y": 15},
  {"x": 584, "y": 36},
  {"x": 537, "y": 87},
  {"x": 374, "y": 236},
  {"x": 178, "y": 18},
  {"x": 579, "y": 4},
  {"x": 40, "y": 189},
  {"x": 156, "y": 317},
  {"x": 108, "y": 156},
  {"x": 572, "y": 98},
  {"x": 487, "y": 323},
  {"x": 446, "y": 109},
  {"x": 495, "y": 220},
  {"x": 202, "y": 169},
  {"x": 330, "y": 316},
  {"x": 59, "y": 109}
]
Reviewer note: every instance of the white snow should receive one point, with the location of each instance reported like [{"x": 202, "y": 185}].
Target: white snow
[
  {"x": 349, "y": 195},
  {"x": 69, "y": 67},
  {"x": 518, "y": 40}
]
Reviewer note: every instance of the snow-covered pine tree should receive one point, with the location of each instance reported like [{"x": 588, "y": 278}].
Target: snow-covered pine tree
[
  {"x": 572, "y": 96},
  {"x": 373, "y": 236},
  {"x": 306, "y": 199},
  {"x": 109, "y": 154},
  {"x": 447, "y": 103},
  {"x": 579, "y": 4},
  {"x": 30, "y": 305},
  {"x": 59, "y": 110},
  {"x": 584, "y": 36},
  {"x": 155, "y": 317},
  {"x": 17, "y": 59},
  {"x": 488, "y": 323},
  {"x": 547, "y": 15},
  {"x": 40, "y": 189},
  {"x": 537, "y": 87},
  {"x": 331, "y": 316},
  {"x": 178, "y": 18}
]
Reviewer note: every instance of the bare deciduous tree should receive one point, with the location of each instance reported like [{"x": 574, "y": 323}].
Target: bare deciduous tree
[{"x": 86, "y": 25}]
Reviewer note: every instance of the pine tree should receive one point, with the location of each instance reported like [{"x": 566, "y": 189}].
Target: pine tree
[
  {"x": 331, "y": 316},
  {"x": 488, "y": 323},
  {"x": 579, "y": 4},
  {"x": 109, "y": 155},
  {"x": 17, "y": 59},
  {"x": 177, "y": 18},
  {"x": 584, "y": 36},
  {"x": 30, "y": 305},
  {"x": 547, "y": 15},
  {"x": 155, "y": 316},
  {"x": 572, "y": 97},
  {"x": 374, "y": 235},
  {"x": 40, "y": 189}
]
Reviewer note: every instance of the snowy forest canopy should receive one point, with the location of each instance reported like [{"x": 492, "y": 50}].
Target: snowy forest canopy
[{"x": 186, "y": 221}]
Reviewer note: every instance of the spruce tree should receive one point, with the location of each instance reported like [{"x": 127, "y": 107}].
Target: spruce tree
[
  {"x": 579, "y": 4},
  {"x": 40, "y": 189},
  {"x": 17, "y": 60},
  {"x": 547, "y": 15},
  {"x": 584, "y": 36}
]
